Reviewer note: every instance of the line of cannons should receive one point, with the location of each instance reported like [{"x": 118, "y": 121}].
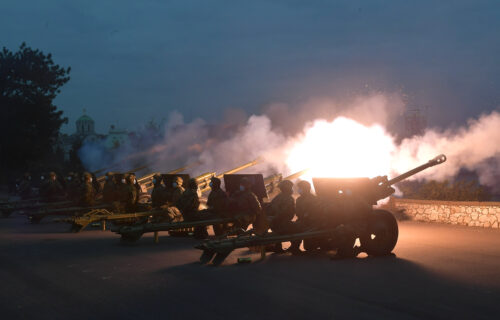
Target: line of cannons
[{"x": 371, "y": 230}]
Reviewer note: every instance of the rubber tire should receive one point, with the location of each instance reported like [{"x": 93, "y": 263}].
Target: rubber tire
[
  {"x": 129, "y": 238},
  {"x": 384, "y": 226}
]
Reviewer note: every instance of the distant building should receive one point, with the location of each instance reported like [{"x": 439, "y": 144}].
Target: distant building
[{"x": 85, "y": 133}]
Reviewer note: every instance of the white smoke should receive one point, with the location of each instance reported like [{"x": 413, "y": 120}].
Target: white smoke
[
  {"x": 475, "y": 146},
  {"x": 274, "y": 135}
]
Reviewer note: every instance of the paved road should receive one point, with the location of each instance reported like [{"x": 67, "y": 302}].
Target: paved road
[{"x": 439, "y": 272}]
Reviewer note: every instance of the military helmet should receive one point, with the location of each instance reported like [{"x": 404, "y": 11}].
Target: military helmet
[
  {"x": 215, "y": 182},
  {"x": 286, "y": 186},
  {"x": 304, "y": 185}
]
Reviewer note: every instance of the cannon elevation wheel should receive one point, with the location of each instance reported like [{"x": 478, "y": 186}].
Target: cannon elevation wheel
[{"x": 382, "y": 233}]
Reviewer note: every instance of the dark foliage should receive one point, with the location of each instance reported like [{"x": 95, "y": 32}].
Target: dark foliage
[
  {"x": 29, "y": 83},
  {"x": 460, "y": 190}
]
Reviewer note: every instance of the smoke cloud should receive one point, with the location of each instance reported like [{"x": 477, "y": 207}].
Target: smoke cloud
[
  {"x": 475, "y": 146},
  {"x": 273, "y": 135}
]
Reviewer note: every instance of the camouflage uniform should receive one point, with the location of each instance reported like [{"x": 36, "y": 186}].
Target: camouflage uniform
[
  {"x": 125, "y": 197},
  {"x": 87, "y": 192},
  {"x": 159, "y": 193},
  {"x": 177, "y": 192},
  {"x": 109, "y": 188},
  {"x": 52, "y": 189},
  {"x": 73, "y": 187},
  {"x": 246, "y": 205},
  {"x": 189, "y": 202},
  {"x": 217, "y": 205},
  {"x": 282, "y": 211}
]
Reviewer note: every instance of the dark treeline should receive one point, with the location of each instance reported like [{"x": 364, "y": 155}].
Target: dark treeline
[{"x": 29, "y": 82}]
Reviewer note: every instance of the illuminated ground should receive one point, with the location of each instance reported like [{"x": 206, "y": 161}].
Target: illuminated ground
[{"x": 440, "y": 272}]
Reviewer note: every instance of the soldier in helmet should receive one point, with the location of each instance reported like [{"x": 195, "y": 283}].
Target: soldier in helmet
[
  {"x": 109, "y": 188},
  {"x": 177, "y": 191},
  {"x": 217, "y": 205},
  {"x": 125, "y": 196},
  {"x": 158, "y": 195},
  {"x": 72, "y": 187},
  {"x": 281, "y": 211},
  {"x": 52, "y": 189},
  {"x": 87, "y": 198},
  {"x": 307, "y": 207},
  {"x": 25, "y": 186},
  {"x": 189, "y": 201},
  {"x": 245, "y": 205},
  {"x": 131, "y": 192},
  {"x": 308, "y": 212},
  {"x": 95, "y": 184}
]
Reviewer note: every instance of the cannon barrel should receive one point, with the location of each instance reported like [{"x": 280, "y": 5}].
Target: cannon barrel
[
  {"x": 101, "y": 178},
  {"x": 296, "y": 175},
  {"x": 242, "y": 167},
  {"x": 433, "y": 162}
]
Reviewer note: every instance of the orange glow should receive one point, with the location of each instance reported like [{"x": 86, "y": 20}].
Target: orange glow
[{"x": 342, "y": 148}]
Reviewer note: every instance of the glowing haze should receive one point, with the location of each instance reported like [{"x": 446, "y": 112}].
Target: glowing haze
[{"x": 342, "y": 148}]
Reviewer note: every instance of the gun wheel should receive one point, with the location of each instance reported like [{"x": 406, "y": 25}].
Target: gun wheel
[
  {"x": 207, "y": 256},
  {"x": 129, "y": 238},
  {"x": 382, "y": 234},
  {"x": 220, "y": 257},
  {"x": 75, "y": 228}
]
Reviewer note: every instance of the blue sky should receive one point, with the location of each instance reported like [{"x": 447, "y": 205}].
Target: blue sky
[{"x": 136, "y": 60}]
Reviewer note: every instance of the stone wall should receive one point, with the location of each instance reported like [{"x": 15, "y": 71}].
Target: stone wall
[{"x": 469, "y": 213}]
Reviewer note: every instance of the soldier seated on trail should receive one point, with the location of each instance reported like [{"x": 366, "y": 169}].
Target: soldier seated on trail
[
  {"x": 95, "y": 184},
  {"x": 51, "y": 189},
  {"x": 125, "y": 197},
  {"x": 25, "y": 186},
  {"x": 109, "y": 188},
  {"x": 73, "y": 187},
  {"x": 307, "y": 209},
  {"x": 158, "y": 195},
  {"x": 159, "y": 200},
  {"x": 87, "y": 193},
  {"x": 244, "y": 205},
  {"x": 139, "y": 206},
  {"x": 217, "y": 206},
  {"x": 189, "y": 204},
  {"x": 281, "y": 212},
  {"x": 189, "y": 201},
  {"x": 176, "y": 192}
]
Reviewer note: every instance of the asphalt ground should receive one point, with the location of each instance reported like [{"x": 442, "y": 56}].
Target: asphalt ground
[{"x": 439, "y": 272}]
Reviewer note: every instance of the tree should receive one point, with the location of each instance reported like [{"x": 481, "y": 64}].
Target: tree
[
  {"x": 29, "y": 83},
  {"x": 459, "y": 190}
]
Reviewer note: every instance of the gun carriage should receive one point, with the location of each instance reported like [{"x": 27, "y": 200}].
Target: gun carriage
[{"x": 347, "y": 204}]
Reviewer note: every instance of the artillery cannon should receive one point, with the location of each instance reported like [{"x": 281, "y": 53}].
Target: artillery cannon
[{"x": 347, "y": 204}]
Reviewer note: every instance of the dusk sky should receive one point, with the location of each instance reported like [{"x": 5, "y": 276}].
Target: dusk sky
[{"x": 137, "y": 60}]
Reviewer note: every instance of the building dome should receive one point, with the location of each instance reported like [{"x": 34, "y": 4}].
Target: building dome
[{"x": 85, "y": 125}]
